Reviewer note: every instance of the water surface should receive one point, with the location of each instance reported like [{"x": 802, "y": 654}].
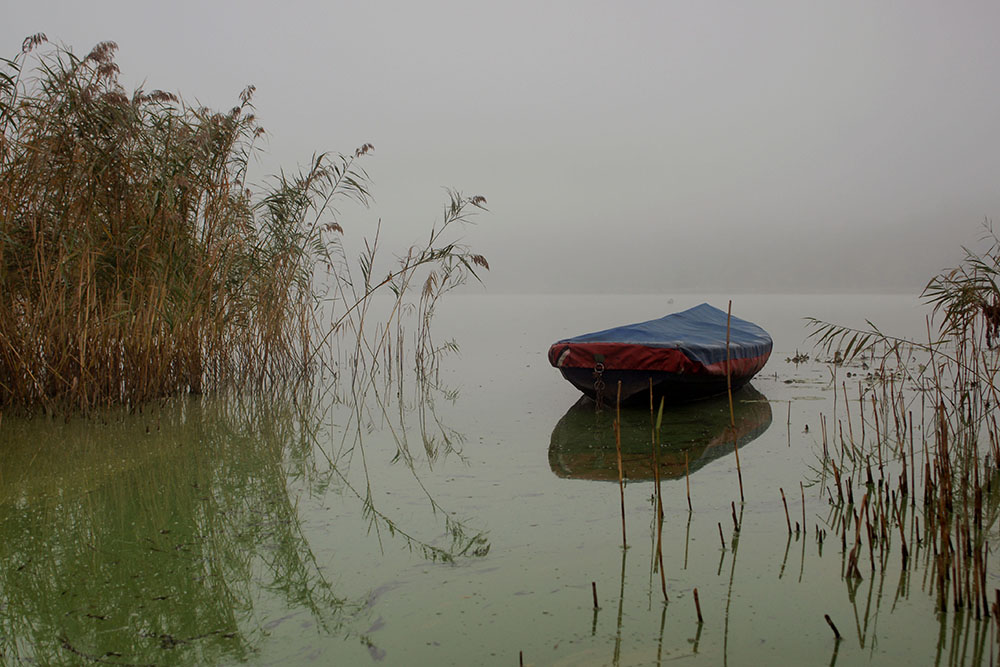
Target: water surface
[{"x": 276, "y": 533}]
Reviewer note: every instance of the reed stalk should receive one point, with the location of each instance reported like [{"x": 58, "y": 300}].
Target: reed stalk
[
  {"x": 618, "y": 449},
  {"x": 687, "y": 480},
  {"x": 803, "y": 490},
  {"x": 729, "y": 381},
  {"x": 836, "y": 632},
  {"x": 659, "y": 499},
  {"x": 732, "y": 414},
  {"x": 788, "y": 519}
]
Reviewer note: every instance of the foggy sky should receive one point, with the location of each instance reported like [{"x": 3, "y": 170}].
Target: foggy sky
[{"x": 622, "y": 146}]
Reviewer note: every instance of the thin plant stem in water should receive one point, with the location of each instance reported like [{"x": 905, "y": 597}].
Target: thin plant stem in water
[
  {"x": 659, "y": 502},
  {"x": 732, "y": 415},
  {"x": 618, "y": 448}
]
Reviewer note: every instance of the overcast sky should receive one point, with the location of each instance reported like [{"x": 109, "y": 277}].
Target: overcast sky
[{"x": 622, "y": 146}]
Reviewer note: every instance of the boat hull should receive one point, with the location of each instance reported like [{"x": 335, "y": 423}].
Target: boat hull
[
  {"x": 635, "y": 385},
  {"x": 682, "y": 357}
]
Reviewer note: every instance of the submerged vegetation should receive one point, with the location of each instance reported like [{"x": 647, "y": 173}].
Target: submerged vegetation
[
  {"x": 137, "y": 260},
  {"x": 198, "y": 511}
]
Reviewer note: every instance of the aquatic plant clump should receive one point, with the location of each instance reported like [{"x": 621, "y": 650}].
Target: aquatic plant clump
[
  {"x": 134, "y": 262},
  {"x": 135, "y": 259},
  {"x": 932, "y": 441}
]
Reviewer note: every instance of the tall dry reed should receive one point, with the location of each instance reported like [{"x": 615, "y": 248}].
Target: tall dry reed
[
  {"x": 936, "y": 444},
  {"x": 136, "y": 261}
]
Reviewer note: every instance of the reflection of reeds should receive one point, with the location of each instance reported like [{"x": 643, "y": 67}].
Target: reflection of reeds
[
  {"x": 166, "y": 550},
  {"x": 171, "y": 529}
]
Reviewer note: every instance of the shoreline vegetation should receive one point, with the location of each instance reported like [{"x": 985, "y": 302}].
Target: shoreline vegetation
[
  {"x": 137, "y": 261},
  {"x": 928, "y": 470}
]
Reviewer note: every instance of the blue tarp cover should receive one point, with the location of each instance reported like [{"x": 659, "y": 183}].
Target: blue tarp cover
[{"x": 699, "y": 332}]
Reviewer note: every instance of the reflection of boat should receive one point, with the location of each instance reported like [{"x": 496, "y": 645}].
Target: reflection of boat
[
  {"x": 583, "y": 441},
  {"x": 683, "y": 355}
]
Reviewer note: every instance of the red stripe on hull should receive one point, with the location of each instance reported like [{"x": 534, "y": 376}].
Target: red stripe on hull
[{"x": 637, "y": 357}]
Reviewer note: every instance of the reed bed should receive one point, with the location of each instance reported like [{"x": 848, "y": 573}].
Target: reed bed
[
  {"x": 913, "y": 473},
  {"x": 916, "y": 491},
  {"x": 137, "y": 261}
]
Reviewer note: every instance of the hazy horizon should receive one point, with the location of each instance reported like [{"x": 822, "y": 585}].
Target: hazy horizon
[{"x": 622, "y": 147}]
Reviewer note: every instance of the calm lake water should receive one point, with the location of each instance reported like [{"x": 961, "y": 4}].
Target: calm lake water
[{"x": 208, "y": 531}]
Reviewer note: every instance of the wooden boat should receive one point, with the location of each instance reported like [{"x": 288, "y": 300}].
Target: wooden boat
[
  {"x": 683, "y": 355},
  {"x": 691, "y": 436}
]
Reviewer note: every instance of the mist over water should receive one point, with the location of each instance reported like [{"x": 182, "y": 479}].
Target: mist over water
[{"x": 632, "y": 147}]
